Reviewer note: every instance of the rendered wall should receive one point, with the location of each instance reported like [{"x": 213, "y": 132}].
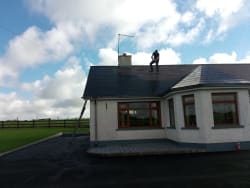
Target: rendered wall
[
  {"x": 105, "y": 115},
  {"x": 107, "y": 124},
  {"x": 206, "y": 133}
]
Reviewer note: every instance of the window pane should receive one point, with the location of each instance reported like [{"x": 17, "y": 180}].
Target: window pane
[
  {"x": 224, "y": 113},
  {"x": 123, "y": 106},
  {"x": 189, "y": 110},
  {"x": 154, "y": 105},
  {"x": 155, "y": 118},
  {"x": 225, "y": 108},
  {"x": 190, "y": 115},
  {"x": 139, "y": 118},
  {"x": 171, "y": 112},
  {"x": 141, "y": 105},
  {"x": 123, "y": 119},
  {"x": 139, "y": 114},
  {"x": 223, "y": 97},
  {"x": 189, "y": 99}
]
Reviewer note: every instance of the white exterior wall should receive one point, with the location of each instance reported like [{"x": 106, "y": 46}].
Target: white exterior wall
[
  {"x": 106, "y": 117},
  {"x": 107, "y": 124},
  {"x": 180, "y": 134},
  {"x": 204, "y": 118},
  {"x": 234, "y": 134}
]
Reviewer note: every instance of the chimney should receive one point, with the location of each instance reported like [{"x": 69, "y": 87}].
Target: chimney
[{"x": 124, "y": 60}]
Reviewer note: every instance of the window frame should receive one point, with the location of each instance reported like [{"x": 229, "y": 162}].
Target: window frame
[
  {"x": 171, "y": 112},
  {"x": 234, "y": 102},
  {"x": 150, "y": 109},
  {"x": 184, "y": 104}
]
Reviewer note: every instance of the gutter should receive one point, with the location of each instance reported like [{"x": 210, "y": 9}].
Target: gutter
[
  {"x": 202, "y": 87},
  {"x": 124, "y": 98}
]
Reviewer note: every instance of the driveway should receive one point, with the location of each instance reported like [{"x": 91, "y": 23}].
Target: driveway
[{"x": 63, "y": 162}]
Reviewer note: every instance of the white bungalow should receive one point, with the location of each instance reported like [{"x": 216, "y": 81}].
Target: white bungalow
[{"x": 205, "y": 106}]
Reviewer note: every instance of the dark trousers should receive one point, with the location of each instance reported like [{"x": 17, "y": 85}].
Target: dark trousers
[{"x": 151, "y": 65}]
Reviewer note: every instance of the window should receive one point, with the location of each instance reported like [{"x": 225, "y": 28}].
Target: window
[
  {"x": 139, "y": 114},
  {"x": 189, "y": 111},
  {"x": 225, "y": 109},
  {"x": 171, "y": 112}
]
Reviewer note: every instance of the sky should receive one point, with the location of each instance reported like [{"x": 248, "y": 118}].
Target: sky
[{"x": 48, "y": 46}]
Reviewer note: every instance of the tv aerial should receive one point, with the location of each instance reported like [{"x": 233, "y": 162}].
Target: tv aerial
[{"x": 118, "y": 43}]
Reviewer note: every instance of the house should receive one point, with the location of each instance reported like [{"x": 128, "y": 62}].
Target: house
[{"x": 205, "y": 106}]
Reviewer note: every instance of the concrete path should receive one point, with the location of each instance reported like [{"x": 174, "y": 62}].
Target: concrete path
[{"x": 141, "y": 149}]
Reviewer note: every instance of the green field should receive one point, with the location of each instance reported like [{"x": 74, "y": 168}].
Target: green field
[{"x": 11, "y": 138}]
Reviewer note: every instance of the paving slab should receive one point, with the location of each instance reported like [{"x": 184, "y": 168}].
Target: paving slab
[{"x": 144, "y": 148}]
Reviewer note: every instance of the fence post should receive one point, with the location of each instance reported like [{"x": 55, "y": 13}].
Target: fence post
[
  {"x": 17, "y": 123},
  {"x": 2, "y": 124},
  {"x": 49, "y": 122},
  {"x": 33, "y": 123}
]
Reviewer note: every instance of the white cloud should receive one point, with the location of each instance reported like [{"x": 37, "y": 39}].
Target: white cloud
[
  {"x": 108, "y": 56},
  {"x": 209, "y": 36},
  {"x": 153, "y": 21},
  {"x": 167, "y": 56},
  {"x": 120, "y": 12},
  {"x": 6, "y": 72},
  {"x": 35, "y": 85},
  {"x": 222, "y": 8},
  {"x": 222, "y": 15},
  {"x": 200, "y": 61},
  {"x": 13, "y": 107},
  {"x": 67, "y": 83},
  {"x": 34, "y": 47},
  {"x": 187, "y": 37},
  {"x": 187, "y": 17},
  {"x": 222, "y": 58},
  {"x": 57, "y": 96},
  {"x": 141, "y": 58}
]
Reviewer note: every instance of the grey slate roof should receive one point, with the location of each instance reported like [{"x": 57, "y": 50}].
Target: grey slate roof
[{"x": 137, "y": 81}]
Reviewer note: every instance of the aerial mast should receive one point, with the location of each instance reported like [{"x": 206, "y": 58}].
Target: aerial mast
[{"x": 118, "y": 43}]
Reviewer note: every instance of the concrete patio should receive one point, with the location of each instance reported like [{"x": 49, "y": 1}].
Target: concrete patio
[{"x": 140, "y": 148}]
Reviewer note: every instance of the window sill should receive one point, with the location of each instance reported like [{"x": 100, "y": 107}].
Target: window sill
[
  {"x": 228, "y": 126},
  {"x": 138, "y": 128},
  {"x": 190, "y": 128},
  {"x": 171, "y": 127}
]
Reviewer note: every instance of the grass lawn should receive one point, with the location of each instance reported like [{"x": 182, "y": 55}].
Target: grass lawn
[{"x": 12, "y": 138}]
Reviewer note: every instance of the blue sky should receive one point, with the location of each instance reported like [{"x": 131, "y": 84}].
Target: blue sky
[{"x": 47, "y": 46}]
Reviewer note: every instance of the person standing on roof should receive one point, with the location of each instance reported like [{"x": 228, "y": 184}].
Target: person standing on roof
[{"x": 155, "y": 59}]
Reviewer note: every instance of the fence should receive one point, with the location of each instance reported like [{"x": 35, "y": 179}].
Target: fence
[{"x": 49, "y": 123}]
